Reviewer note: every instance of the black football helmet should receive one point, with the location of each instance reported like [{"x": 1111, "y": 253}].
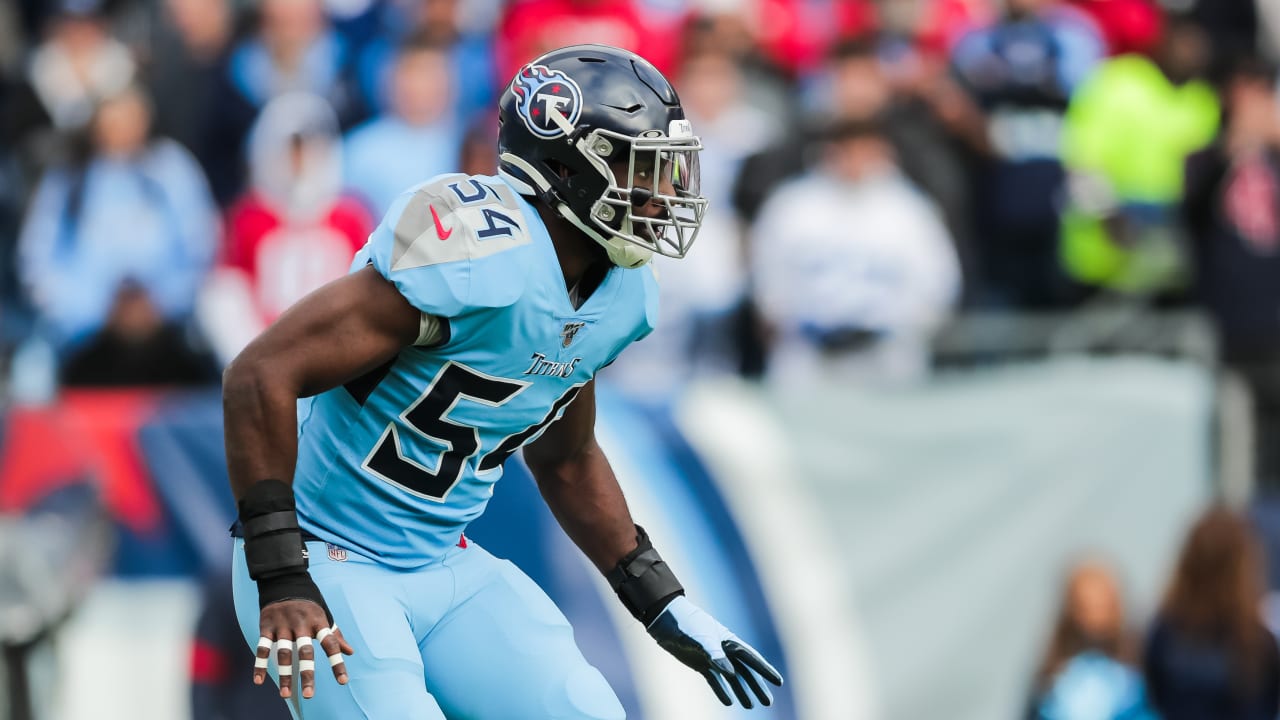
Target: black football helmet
[{"x": 568, "y": 116}]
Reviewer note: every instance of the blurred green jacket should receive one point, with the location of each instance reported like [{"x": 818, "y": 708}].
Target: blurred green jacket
[{"x": 1127, "y": 132}]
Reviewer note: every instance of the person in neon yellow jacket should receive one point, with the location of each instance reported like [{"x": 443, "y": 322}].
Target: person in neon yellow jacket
[{"x": 1127, "y": 133}]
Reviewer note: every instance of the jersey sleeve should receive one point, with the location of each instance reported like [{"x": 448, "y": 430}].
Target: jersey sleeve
[{"x": 452, "y": 244}]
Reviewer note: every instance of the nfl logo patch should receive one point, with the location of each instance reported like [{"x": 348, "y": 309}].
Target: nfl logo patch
[
  {"x": 336, "y": 554},
  {"x": 570, "y": 329}
]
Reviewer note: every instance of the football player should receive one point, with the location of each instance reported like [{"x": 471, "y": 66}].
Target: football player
[{"x": 366, "y": 428}]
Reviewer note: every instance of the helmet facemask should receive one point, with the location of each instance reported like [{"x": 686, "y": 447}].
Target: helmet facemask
[
  {"x": 606, "y": 204},
  {"x": 659, "y": 170}
]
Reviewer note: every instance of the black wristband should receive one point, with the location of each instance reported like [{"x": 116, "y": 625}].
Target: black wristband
[
  {"x": 294, "y": 586},
  {"x": 272, "y": 539},
  {"x": 643, "y": 580}
]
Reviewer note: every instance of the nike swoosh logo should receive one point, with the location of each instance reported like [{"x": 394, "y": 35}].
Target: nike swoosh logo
[{"x": 440, "y": 231}]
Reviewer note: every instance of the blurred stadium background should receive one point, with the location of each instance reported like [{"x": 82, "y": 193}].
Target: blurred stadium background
[{"x": 985, "y": 315}]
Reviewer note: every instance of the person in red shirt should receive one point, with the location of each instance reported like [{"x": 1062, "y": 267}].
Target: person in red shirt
[
  {"x": 797, "y": 34},
  {"x": 1128, "y": 26},
  {"x": 530, "y": 28},
  {"x": 293, "y": 231}
]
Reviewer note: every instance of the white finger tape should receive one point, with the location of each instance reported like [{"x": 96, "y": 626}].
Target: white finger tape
[
  {"x": 283, "y": 644},
  {"x": 324, "y": 633},
  {"x": 335, "y": 659},
  {"x": 303, "y": 641},
  {"x": 264, "y": 642},
  {"x": 306, "y": 666},
  {"x": 260, "y": 663},
  {"x": 286, "y": 670}
]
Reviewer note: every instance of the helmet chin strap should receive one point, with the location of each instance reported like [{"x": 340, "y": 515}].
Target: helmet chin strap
[
  {"x": 621, "y": 253},
  {"x": 629, "y": 257}
]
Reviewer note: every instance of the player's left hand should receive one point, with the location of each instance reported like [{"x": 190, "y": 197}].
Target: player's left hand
[{"x": 699, "y": 641}]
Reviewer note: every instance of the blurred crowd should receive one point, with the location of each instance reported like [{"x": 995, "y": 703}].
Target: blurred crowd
[
  {"x": 175, "y": 173},
  {"x": 1207, "y": 652}
]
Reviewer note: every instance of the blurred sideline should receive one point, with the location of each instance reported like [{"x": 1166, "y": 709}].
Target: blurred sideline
[{"x": 958, "y": 506}]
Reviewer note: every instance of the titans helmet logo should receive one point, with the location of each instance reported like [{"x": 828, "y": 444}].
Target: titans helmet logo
[{"x": 540, "y": 92}]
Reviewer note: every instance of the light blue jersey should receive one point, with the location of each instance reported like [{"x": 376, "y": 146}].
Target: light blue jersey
[{"x": 395, "y": 464}]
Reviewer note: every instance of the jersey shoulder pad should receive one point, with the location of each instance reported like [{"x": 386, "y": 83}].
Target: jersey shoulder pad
[{"x": 452, "y": 243}]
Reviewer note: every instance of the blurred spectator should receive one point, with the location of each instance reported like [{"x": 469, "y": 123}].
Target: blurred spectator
[
  {"x": 1209, "y": 655},
  {"x": 1022, "y": 70},
  {"x": 1232, "y": 26},
  {"x": 292, "y": 232},
  {"x": 1088, "y": 672},
  {"x": 532, "y": 27},
  {"x": 1232, "y": 211},
  {"x": 1128, "y": 26},
  {"x": 470, "y": 49},
  {"x": 727, "y": 30},
  {"x": 293, "y": 49},
  {"x": 853, "y": 268},
  {"x": 479, "y": 152},
  {"x": 1120, "y": 229},
  {"x": 856, "y": 85},
  {"x": 114, "y": 248},
  {"x": 852, "y": 86},
  {"x": 418, "y": 138},
  {"x": 702, "y": 294},
  {"x": 935, "y": 128},
  {"x": 925, "y": 116},
  {"x": 797, "y": 34},
  {"x": 77, "y": 63},
  {"x": 189, "y": 47},
  {"x": 716, "y": 101},
  {"x": 356, "y": 21},
  {"x": 933, "y": 27}
]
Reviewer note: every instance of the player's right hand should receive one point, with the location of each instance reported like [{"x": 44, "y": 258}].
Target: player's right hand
[{"x": 299, "y": 623}]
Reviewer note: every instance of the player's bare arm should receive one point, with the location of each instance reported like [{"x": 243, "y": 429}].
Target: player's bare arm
[
  {"x": 582, "y": 491},
  {"x": 332, "y": 336},
  {"x": 579, "y": 486}
]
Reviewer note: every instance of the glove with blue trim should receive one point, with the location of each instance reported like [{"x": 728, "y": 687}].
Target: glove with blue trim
[
  {"x": 649, "y": 589},
  {"x": 699, "y": 641}
]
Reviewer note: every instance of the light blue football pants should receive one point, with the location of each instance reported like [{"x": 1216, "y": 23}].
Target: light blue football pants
[{"x": 469, "y": 637}]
